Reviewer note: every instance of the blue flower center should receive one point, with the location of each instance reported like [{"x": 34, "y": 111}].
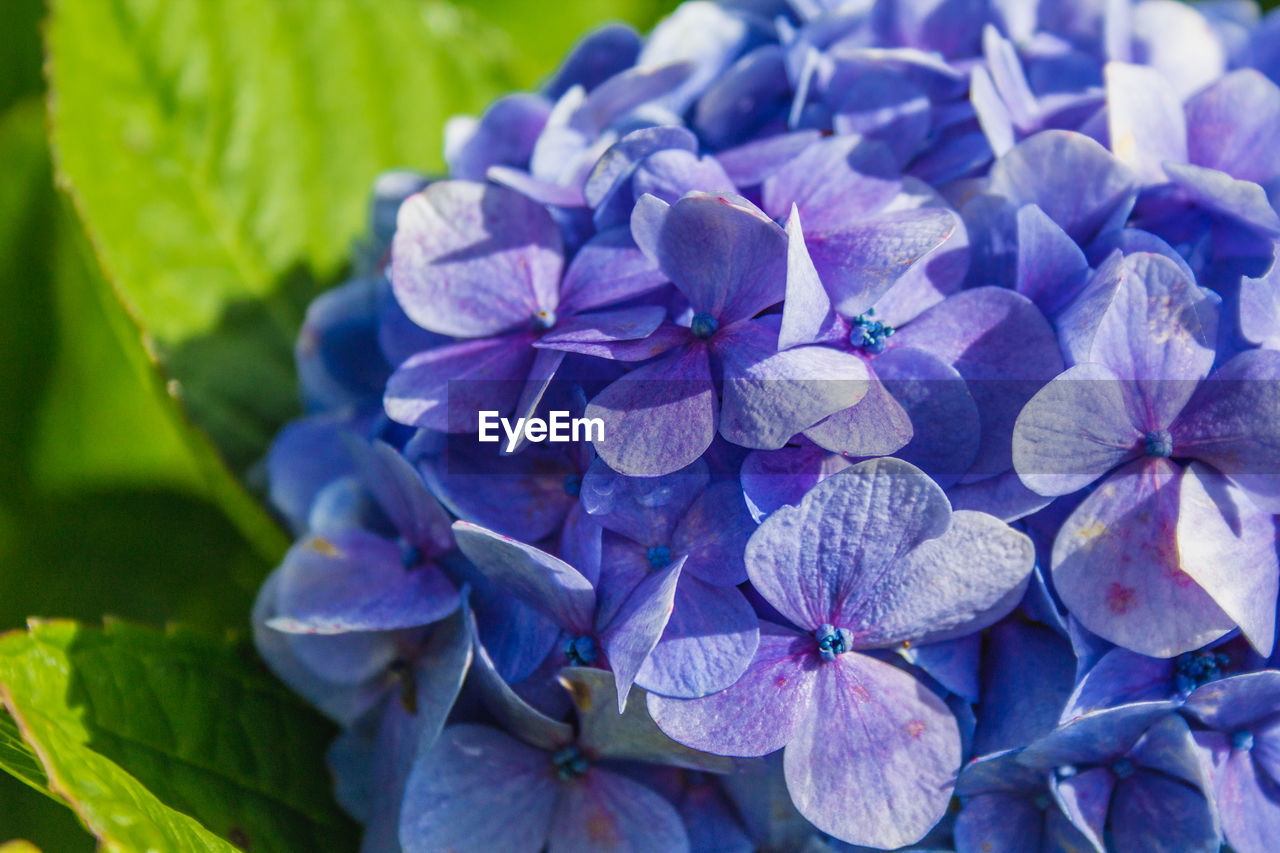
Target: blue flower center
[
  {"x": 573, "y": 485},
  {"x": 833, "y": 641},
  {"x": 570, "y": 763},
  {"x": 1242, "y": 741},
  {"x": 1158, "y": 443},
  {"x": 410, "y": 554},
  {"x": 1122, "y": 767},
  {"x": 543, "y": 320},
  {"x": 703, "y": 325},
  {"x": 869, "y": 334},
  {"x": 580, "y": 651},
  {"x": 659, "y": 556},
  {"x": 1194, "y": 669}
]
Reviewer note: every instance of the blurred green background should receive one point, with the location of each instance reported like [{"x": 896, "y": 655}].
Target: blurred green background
[{"x": 104, "y": 506}]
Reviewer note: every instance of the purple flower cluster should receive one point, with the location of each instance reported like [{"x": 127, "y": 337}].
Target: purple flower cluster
[{"x": 928, "y": 354}]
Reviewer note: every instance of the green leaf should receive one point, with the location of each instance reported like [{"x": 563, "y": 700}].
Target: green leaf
[
  {"x": 17, "y": 759},
  {"x": 220, "y": 153},
  {"x": 171, "y": 741}
]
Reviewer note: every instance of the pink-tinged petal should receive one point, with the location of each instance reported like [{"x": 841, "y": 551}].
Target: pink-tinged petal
[
  {"x": 874, "y": 759},
  {"x": 636, "y": 628},
  {"x": 355, "y": 581},
  {"x": 660, "y": 417},
  {"x": 1228, "y": 547},
  {"x": 1151, "y": 813},
  {"x": 1235, "y": 126},
  {"x": 1144, "y": 120},
  {"x": 612, "y": 814},
  {"x": 1086, "y": 187},
  {"x": 1243, "y": 201},
  {"x": 1074, "y": 430},
  {"x": 806, "y": 314},
  {"x": 771, "y": 395},
  {"x": 839, "y": 179},
  {"x": 609, "y": 268},
  {"x": 542, "y": 581},
  {"x": 714, "y": 534},
  {"x": 443, "y": 389},
  {"x": 1003, "y": 347},
  {"x": 472, "y": 259},
  {"x": 472, "y": 773},
  {"x": 775, "y": 478},
  {"x": 631, "y": 735},
  {"x": 811, "y": 561},
  {"x": 707, "y": 644},
  {"x": 758, "y": 713},
  {"x": 1117, "y": 568},
  {"x": 1248, "y": 801},
  {"x": 957, "y": 583}
]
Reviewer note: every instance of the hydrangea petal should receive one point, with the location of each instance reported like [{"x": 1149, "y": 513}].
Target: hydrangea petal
[
  {"x": 1228, "y": 547},
  {"x": 546, "y": 583},
  {"x": 1086, "y": 187},
  {"x": 1236, "y": 702},
  {"x": 874, "y": 759},
  {"x": 470, "y": 774},
  {"x": 1151, "y": 813},
  {"x": 631, "y": 735},
  {"x": 660, "y": 417},
  {"x": 997, "y": 823},
  {"x": 473, "y": 259},
  {"x": 771, "y": 395},
  {"x": 1249, "y": 804},
  {"x": 638, "y": 625},
  {"x": 402, "y": 495},
  {"x": 609, "y": 812},
  {"x": 725, "y": 256},
  {"x": 1051, "y": 268},
  {"x": 1144, "y": 120},
  {"x": 707, "y": 644},
  {"x": 758, "y": 713},
  {"x": 714, "y": 534},
  {"x": 1073, "y": 431},
  {"x": 942, "y": 414},
  {"x": 809, "y": 561},
  {"x": 1085, "y": 799},
  {"x": 1235, "y": 126},
  {"x": 482, "y": 374},
  {"x": 1096, "y": 737},
  {"x": 771, "y": 479},
  {"x": 1116, "y": 566},
  {"x": 806, "y": 313},
  {"x": 947, "y": 586},
  {"x": 876, "y": 425},
  {"x": 1243, "y": 201},
  {"x": 609, "y": 268},
  {"x": 1027, "y": 674}
]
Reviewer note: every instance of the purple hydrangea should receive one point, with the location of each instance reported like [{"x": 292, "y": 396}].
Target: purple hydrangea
[{"x": 934, "y": 349}]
